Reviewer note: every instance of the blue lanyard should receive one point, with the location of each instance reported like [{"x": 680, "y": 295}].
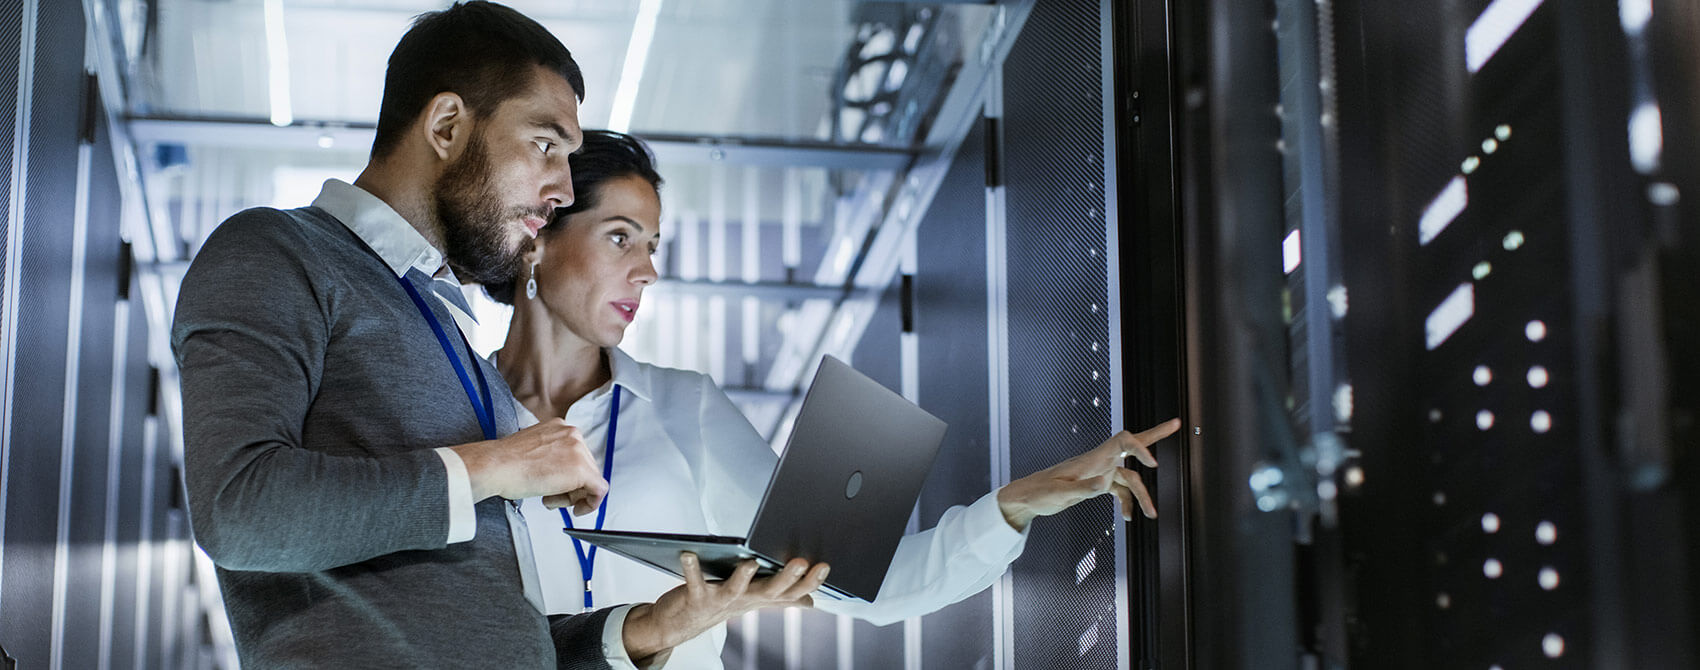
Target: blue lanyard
[
  {"x": 484, "y": 410},
  {"x": 587, "y": 560}
]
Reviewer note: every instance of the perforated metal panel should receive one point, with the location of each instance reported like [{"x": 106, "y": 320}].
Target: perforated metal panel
[
  {"x": 1059, "y": 397},
  {"x": 32, "y": 504},
  {"x": 11, "y": 28},
  {"x": 11, "y": 20}
]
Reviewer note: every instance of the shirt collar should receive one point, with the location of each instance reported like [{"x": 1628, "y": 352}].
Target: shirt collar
[
  {"x": 395, "y": 240},
  {"x": 628, "y": 373}
]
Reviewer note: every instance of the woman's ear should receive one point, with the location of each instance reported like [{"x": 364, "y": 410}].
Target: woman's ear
[
  {"x": 447, "y": 124},
  {"x": 534, "y": 251}
]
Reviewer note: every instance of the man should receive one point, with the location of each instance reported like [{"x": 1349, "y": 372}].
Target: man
[{"x": 349, "y": 458}]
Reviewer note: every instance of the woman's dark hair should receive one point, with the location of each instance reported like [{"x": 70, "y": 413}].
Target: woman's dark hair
[
  {"x": 481, "y": 51},
  {"x": 605, "y": 155}
]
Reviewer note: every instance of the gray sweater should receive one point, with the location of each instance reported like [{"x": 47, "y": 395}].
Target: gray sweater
[{"x": 313, "y": 395}]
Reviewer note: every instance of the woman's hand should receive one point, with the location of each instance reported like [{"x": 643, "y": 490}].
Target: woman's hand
[
  {"x": 1088, "y": 475},
  {"x": 691, "y": 609}
]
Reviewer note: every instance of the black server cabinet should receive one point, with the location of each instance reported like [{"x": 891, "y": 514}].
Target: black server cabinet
[
  {"x": 1439, "y": 275},
  {"x": 1511, "y": 222}
]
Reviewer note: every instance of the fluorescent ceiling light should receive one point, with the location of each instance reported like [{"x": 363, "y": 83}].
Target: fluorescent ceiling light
[
  {"x": 1497, "y": 24},
  {"x": 631, "y": 72},
  {"x": 277, "y": 53}
]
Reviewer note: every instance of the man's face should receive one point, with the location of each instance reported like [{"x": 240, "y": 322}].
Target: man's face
[{"x": 503, "y": 186}]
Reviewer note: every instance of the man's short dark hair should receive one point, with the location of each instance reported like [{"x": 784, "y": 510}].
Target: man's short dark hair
[{"x": 482, "y": 51}]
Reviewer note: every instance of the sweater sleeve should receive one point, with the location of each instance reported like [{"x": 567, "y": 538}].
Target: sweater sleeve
[
  {"x": 596, "y": 641},
  {"x": 250, "y": 335}
]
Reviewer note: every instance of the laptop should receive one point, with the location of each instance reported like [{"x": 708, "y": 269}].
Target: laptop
[{"x": 841, "y": 493}]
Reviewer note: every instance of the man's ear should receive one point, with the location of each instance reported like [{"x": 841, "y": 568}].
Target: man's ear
[{"x": 447, "y": 124}]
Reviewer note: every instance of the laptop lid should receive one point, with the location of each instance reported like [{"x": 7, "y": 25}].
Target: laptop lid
[{"x": 850, "y": 475}]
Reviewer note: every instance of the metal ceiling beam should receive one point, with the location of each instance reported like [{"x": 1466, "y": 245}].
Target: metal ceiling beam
[
  {"x": 258, "y": 133},
  {"x": 700, "y": 288},
  {"x": 778, "y": 291}
]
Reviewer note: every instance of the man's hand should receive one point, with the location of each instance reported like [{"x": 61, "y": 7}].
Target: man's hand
[
  {"x": 691, "y": 609},
  {"x": 549, "y": 459},
  {"x": 1088, "y": 475}
]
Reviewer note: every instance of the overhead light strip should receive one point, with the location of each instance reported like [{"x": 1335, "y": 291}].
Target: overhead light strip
[
  {"x": 277, "y": 53},
  {"x": 631, "y": 72}
]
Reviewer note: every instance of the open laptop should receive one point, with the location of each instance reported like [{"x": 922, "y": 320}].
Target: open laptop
[{"x": 841, "y": 493}]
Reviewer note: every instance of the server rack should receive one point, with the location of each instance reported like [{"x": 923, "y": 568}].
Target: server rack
[{"x": 1438, "y": 272}]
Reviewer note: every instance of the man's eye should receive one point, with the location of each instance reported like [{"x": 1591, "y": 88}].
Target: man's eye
[{"x": 544, "y": 146}]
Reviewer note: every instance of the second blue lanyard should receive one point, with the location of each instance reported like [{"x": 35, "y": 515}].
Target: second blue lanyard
[{"x": 587, "y": 559}]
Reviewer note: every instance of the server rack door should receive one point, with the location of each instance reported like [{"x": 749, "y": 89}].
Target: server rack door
[
  {"x": 1069, "y": 607},
  {"x": 40, "y": 340}
]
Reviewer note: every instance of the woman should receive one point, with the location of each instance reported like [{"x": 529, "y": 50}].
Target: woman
[{"x": 685, "y": 459}]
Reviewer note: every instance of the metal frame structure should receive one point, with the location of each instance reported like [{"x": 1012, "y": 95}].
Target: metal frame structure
[
  {"x": 1151, "y": 356},
  {"x": 670, "y": 149}
]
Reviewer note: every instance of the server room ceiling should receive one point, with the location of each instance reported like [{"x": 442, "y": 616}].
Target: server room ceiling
[
  {"x": 792, "y": 118},
  {"x": 713, "y": 67}
]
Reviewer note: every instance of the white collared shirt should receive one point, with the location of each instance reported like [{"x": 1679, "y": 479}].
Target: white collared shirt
[
  {"x": 402, "y": 248},
  {"x": 687, "y": 461}
]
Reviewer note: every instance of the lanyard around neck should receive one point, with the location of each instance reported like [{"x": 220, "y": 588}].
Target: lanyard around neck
[
  {"x": 587, "y": 559},
  {"x": 485, "y": 410}
]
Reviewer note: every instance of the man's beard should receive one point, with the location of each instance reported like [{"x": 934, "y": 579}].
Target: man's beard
[{"x": 474, "y": 221}]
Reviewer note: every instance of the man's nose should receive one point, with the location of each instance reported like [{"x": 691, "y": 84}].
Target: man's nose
[{"x": 559, "y": 193}]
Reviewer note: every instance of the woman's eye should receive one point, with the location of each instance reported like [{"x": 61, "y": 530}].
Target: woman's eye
[
  {"x": 619, "y": 239},
  {"x": 544, "y": 146}
]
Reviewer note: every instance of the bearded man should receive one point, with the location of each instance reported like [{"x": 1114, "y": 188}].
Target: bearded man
[{"x": 350, "y": 461}]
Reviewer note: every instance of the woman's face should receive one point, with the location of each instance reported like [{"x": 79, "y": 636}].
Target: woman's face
[{"x": 591, "y": 273}]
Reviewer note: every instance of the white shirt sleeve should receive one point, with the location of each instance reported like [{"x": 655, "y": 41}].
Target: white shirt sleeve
[
  {"x": 614, "y": 643},
  {"x": 463, "y": 520},
  {"x": 970, "y": 548},
  {"x": 733, "y": 463}
]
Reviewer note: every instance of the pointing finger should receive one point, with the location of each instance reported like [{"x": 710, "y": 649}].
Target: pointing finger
[{"x": 1155, "y": 433}]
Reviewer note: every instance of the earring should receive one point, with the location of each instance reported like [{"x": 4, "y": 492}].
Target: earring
[{"x": 531, "y": 284}]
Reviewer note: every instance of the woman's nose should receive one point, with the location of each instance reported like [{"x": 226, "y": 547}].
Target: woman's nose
[{"x": 645, "y": 273}]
